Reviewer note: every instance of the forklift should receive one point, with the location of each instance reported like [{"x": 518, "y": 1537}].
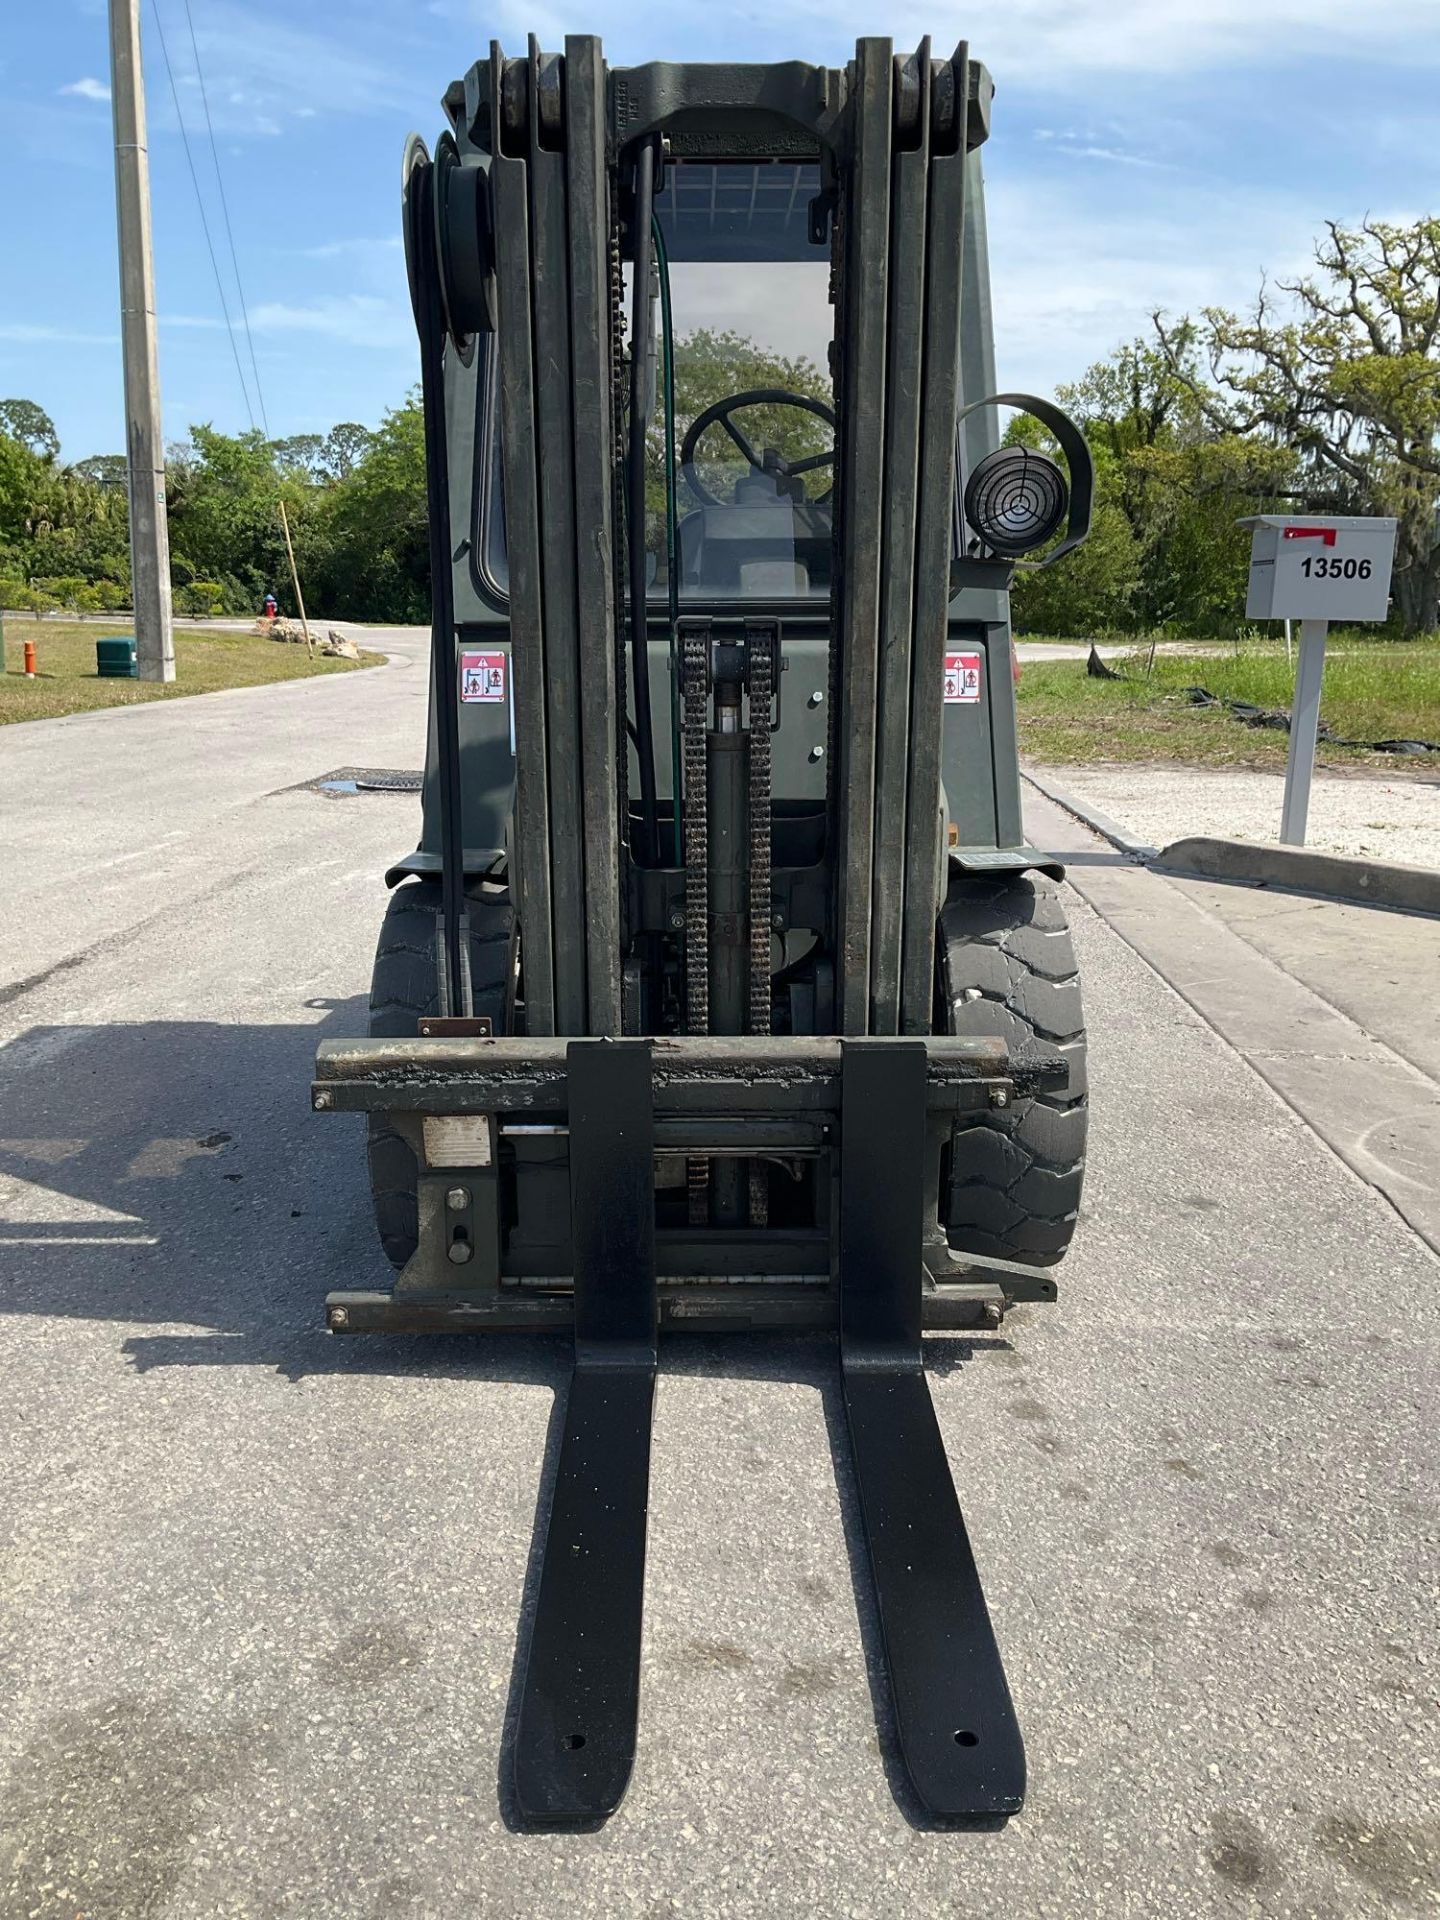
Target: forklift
[{"x": 723, "y": 992}]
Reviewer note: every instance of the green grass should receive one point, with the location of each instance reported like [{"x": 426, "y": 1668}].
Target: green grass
[
  {"x": 66, "y": 680},
  {"x": 1373, "y": 690}
]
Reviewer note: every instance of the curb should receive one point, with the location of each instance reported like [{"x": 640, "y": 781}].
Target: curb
[
  {"x": 1334, "y": 876},
  {"x": 1139, "y": 851},
  {"x": 1338, "y": 876}
]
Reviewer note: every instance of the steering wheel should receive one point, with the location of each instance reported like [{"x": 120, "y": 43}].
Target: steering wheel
[{"x": 770, "y": 461}]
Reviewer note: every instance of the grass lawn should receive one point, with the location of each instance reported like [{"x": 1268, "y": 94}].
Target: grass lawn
[
  {"x": 1373, "y": 690},
  {"x": 66, "y": 681}
]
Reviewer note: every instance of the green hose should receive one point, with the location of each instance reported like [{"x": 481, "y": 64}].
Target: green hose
[{"x": 672, "y": 576}]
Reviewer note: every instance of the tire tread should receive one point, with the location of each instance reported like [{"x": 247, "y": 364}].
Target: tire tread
[{"x": 1008, "y": 970}]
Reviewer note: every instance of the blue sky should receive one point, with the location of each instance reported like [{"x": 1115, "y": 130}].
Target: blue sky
[{"x": 1144, "y": 153}]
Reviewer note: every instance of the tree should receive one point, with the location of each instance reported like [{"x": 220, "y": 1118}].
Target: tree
[
  {"x": 23, "y": 479},
  {"x": 344, "y": 447},
  {"x": 1350, "y": 382},
  {"x": 224, "y": 498},
  {"x": 369, "y": 542},
  {"x": 103, "y": 469},
  {"x": 1089, "y": 591},
  {"x": 711, "y": 365},
  {"x": 299, "y": 453},
  {"x": 28, "y": 423},
  {"x": 1180, "y": 482}
]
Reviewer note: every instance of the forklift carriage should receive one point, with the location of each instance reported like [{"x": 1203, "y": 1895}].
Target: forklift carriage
[{"x": 723, "y": 992}]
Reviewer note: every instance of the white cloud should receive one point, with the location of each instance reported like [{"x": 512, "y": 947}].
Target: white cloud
[
  {"x": 30, "y": 334},
  {"x": 339, "y": 249},
  {"x": 1074, "y": 276},
  {"x": 87, "y": 89},
  {"x": 253, "y": 47},
  {"x": 359, "y": 319},
  {"x": 1116, "y": 156},
  {"x": 1034, "y": 40}
]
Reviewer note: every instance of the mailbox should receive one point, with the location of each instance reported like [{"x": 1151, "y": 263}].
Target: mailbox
[{"x": 1319, "y": 566}]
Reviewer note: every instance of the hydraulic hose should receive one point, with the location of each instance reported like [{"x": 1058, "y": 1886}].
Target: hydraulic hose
[
  {"x": 672, "y": 576},
  {"x": 649, "y": 849}
]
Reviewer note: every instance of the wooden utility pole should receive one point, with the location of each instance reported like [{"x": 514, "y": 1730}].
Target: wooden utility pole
[{"x": 144, "y": 440}]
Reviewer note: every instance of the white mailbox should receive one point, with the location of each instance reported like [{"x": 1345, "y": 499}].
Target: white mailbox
[{"x": 1319, "y": 566}]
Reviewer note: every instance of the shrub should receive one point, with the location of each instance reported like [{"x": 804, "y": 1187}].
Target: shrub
[{"x": 200, "y": 599}]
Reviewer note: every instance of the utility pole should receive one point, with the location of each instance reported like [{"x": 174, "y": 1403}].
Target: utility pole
[{"x": 144, "y": 440}]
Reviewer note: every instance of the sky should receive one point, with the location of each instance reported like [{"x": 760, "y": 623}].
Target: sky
[{"x": 1143, "y": 154}]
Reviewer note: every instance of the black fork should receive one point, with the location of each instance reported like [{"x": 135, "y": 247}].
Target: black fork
[
  {"x": 579, "y": 1707},
  {"x": 956, "y": 1726}
]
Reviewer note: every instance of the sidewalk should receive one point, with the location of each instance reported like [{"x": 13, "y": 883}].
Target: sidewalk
[
  {"x": 1379, "y": 816},
  {"x": 1333, "y": 1005}
]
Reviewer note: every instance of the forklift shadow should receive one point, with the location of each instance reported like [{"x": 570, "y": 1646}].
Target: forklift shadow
[{"x": 170, "y": 1174}]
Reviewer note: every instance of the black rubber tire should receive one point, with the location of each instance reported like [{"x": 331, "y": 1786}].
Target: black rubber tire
[
  {"x": 402, "y": 991},
  {"x": 1008, "y": 969}
]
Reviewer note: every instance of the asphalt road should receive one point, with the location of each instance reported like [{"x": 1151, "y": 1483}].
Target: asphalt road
[{"x": 261, "y": 1588}]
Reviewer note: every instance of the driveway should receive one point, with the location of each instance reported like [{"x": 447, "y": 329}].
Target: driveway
[{"x": 261, "y": 1588}]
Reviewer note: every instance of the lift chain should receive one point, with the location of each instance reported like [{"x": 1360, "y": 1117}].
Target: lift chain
[
  {"x": 695, "y": 689},
  {"x": 760, "y": 651},
  {"x": 760, "y": 659},
  {"x": 695, "y": 670}
]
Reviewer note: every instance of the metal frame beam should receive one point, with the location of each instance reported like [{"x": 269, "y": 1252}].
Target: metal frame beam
[
  {"x": 919, "y": 770},
  {"x": 905, "y": 366},
  {"x": 550, "y": 308},
  {"x": 531, "y": 854},
  {"x": 591, "y": 346},
  {"x": 865, "y": 233}
]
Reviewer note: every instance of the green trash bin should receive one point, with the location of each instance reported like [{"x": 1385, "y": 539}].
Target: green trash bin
[{"x": 115, "y": 658}]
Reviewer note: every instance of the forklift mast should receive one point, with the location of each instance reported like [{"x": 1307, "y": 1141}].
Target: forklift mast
[{"x": 550, "y": 179}]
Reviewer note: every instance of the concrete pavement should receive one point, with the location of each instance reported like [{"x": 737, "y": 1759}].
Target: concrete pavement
[
  {"x": 1333, "y": 1004},
  {"x": 261, "y": 1588},
  {"x": 105, "y": 821}
]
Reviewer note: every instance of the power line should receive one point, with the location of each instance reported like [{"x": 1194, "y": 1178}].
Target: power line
[
  {"x": 229, "y": 230},
  {"x": 200, "y": 203}
]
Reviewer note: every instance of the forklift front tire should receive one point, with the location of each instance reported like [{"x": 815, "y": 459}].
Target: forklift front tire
[{"x": 1007, "y": 968}]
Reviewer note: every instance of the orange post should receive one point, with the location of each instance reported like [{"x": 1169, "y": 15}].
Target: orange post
[{"x": 30, "y": 659}]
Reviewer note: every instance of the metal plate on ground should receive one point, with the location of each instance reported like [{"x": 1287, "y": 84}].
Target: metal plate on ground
[{"x": 342, "y": 782}]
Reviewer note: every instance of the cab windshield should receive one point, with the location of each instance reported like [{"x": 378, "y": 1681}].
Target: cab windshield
[
  {"x": 740, "y": 508},
  {"x": 738, "y": 489}
]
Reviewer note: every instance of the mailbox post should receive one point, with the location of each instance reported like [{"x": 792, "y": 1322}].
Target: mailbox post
[{"x": 1314, "y": 568}]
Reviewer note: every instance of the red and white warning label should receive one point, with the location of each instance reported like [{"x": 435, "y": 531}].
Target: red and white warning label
[
  {"x": 962, "y": 678},
  {"x": 482, "y": 678}
]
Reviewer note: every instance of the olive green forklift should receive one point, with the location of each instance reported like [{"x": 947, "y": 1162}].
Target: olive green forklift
[{"x": 723, "y": 992}]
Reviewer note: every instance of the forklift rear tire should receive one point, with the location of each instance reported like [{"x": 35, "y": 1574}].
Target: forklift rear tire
[
  {"x": 402, "y": 992},
  {"x": 1008, "y": 969}
]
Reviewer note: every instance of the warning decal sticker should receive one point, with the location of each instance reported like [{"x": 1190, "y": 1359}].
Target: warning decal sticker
[
  {"x": 962, "y": 678},
  {"x": 482, "y": 678}
]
